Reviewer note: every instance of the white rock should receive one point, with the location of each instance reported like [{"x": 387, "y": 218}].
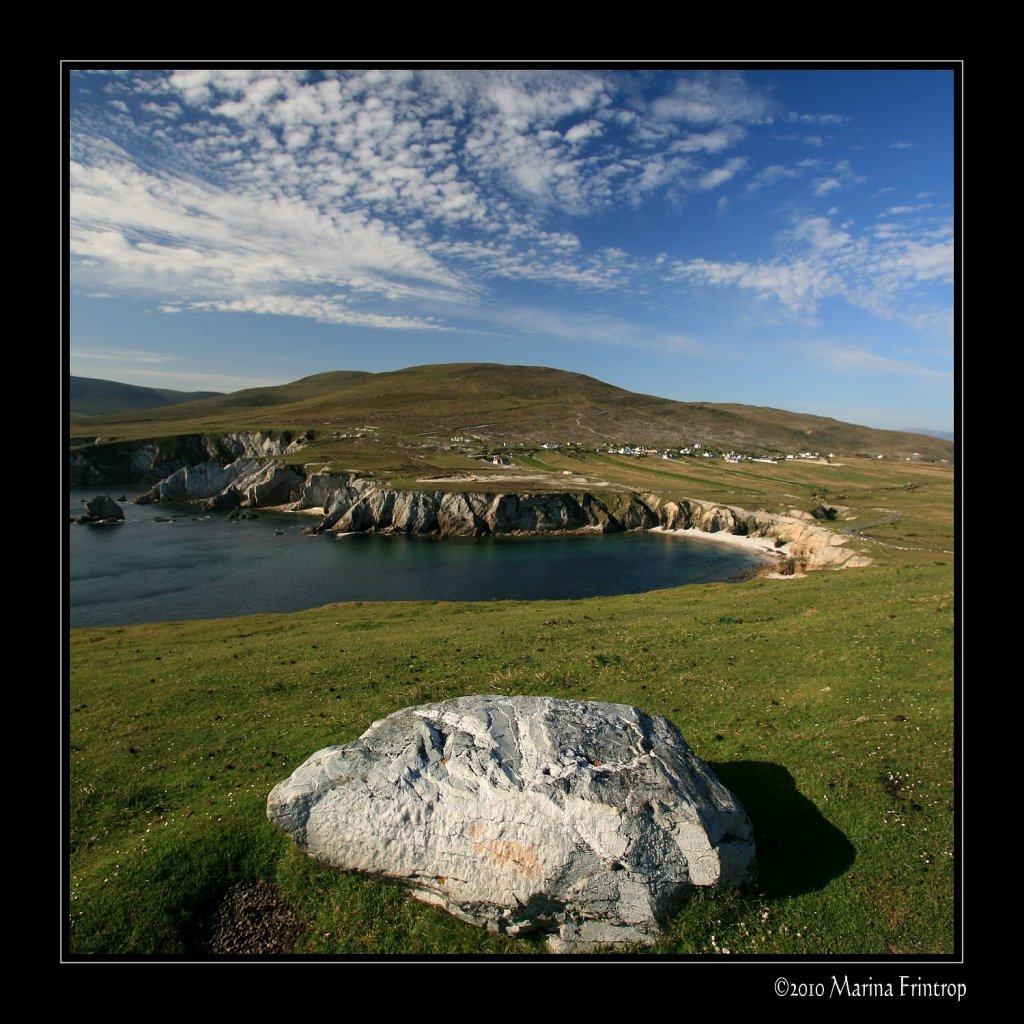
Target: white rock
[{"x": 591, "y": 822}]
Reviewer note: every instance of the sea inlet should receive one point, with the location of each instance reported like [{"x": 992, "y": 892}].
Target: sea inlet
[{"x": 200, "y": 565}]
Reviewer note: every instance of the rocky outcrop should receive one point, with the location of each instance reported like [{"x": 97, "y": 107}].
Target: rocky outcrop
[
  {"x": 356, "y": 505},
  {"x": 814, "y": 547},
  {"x": 247, "y": 482},
  {"x": 151, "y": 461},
  {"x": 693, "y": 515},
  {"x": 250, "y": 445},
  {"x": 804, "y": 545},
  {"x": 318, "y": 489},
  {"x": 101, "y": 509},
  {"x": 588, "y": 822},
  {"x": 133, "y": 462},
  {"x": 104, "y": 507}
]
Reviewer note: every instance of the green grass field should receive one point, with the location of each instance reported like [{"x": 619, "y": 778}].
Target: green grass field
[{"x": 826, "y": 703}]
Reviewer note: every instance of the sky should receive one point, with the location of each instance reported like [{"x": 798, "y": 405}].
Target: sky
[{"x": 769, "y": 237}]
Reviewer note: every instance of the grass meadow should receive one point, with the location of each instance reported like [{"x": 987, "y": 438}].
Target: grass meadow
[{"x": 826, "y": 703}]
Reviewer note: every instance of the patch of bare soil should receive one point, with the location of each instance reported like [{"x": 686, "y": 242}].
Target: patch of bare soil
[{"x": 252, "y": 919}]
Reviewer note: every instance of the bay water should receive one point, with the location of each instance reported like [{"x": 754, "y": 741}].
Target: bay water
[{"x": 202, "y": 565}]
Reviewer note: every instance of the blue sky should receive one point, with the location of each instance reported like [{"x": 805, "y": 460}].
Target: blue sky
[{"x": 770, "y": 237}]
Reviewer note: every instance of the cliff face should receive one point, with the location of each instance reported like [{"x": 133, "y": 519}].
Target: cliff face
[
  {"x": 246, "y": 481},
  {"x": 152, "y": 461},
  {"x": 355, "y": 505},
  {"x": 808, "y": 545},
  {"x": 100, "y": 464}
]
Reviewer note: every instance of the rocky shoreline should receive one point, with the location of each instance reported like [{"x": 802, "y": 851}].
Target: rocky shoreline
[{"x": 242, "y": 474}]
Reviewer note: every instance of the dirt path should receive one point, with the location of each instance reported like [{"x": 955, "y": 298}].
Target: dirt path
[{"x": 858, "y": 531}]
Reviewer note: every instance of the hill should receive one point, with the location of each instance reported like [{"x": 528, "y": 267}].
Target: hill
[
  {"x": 492, "y": 405},
  {"x": 90, "y": 396}
]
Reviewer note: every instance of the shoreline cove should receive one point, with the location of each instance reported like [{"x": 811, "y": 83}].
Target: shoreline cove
[
  {"x": 349, "y": 502},
  {"x": 241, "y": 471},
  {"x": 161, "y": 565},
  {"x": 231, "y": 563}
]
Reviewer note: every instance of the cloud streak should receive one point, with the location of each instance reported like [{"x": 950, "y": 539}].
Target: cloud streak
[
  {"x": 121, "y": 355},
  {"x": 880, "y": 270},
  {"x": 843, "y": 358}
]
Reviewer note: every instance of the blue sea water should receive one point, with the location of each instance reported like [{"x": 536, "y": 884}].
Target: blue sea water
[{"x": 202, "y": 565}]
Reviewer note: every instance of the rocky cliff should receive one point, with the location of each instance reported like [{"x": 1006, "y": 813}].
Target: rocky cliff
[
  {"x": 103, "y": 462},
  {"x": 804, "y": 545},
  {"x": 245, "y": 482},
  {"x": 355, "y": 505},
  {"x": 349, "y": 503}
]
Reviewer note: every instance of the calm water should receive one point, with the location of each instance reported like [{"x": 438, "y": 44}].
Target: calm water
[{"x": 201, "y": 566}]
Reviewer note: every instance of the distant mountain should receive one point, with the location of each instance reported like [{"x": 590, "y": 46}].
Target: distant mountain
[
  {"x": 424, "y": 407},
  {"x": 93, "y": 397},
  {"x": 946, "y": 435}
]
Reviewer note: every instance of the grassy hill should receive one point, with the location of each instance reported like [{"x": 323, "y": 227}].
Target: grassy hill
[
  {"x": 493, "y": 405},
  {"x": 90, "y": 396}
]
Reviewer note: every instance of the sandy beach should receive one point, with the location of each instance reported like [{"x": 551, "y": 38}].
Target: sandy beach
[{"x": 758, "y": 545}]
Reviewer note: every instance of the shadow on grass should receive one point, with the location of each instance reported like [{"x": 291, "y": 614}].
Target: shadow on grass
[{"x": 798, "y": 849}]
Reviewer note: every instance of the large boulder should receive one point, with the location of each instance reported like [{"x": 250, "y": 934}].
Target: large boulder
[{"x": 590, "y": 822}]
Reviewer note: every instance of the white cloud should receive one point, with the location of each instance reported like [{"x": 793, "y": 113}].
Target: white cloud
[
  {"x": 842, "y": 175},
  {"x": 922, "y": 262},
  {"x": 122, "y": 355},
  {"x": 321, "y": 308},
  {"x": 592, "y": 329},
  {"x": 852, "y": 359},
  {"x": 883, "y": 270},
  {"x": 192, "y": 380},
  {"x": 819, "y": 233},
  {"x": 583, "y": 130},
  {"x": 709, "y": 98},
  {"x": 148, "y": 231},
  {"x": 713, "y": 141},
  {"x": 162, "y": 110},
  {"x": 720, "y": 175},
  {"x": 771, "y": 174},
  {"x": 549, "y": 258},
  {"x": 902, "y": 145},
  {"x": 896, "y": 211},
  {"x": 799, "y": 285},
  {"x": 193, "y": 85},
  {"x": 833, "y": 119},
  {"x": 437, "y": 143}
]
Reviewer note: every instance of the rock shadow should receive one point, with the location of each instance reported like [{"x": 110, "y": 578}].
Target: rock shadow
[{"x": 798, "y": 849}]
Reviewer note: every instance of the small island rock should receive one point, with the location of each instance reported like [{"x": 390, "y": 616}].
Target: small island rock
[
  {"x": 104, "y": 507},
  {"x": 101, "y": 509}
]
